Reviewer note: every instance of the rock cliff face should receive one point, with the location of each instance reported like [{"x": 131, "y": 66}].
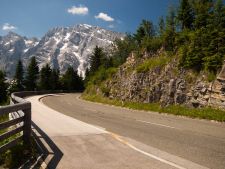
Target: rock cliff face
[
  {"x": 166, "y": 85},
  {"x": 217, "y": 90},
  {"x": 12, "y": 48},
  {"x": 71, "y": 46}
]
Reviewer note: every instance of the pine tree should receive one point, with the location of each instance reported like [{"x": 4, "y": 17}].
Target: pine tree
[
  {"x": 87, "y": 73},
  {"x": 170, "y": 31},
  {"x": 3, "y": 87},
  {"x": 146, "y": 29},
  {"x": 79, "y": 82},
  {"x": 32, "y": 75},
  {"x": 219, "y": 27},
  {"x": 219, "y": 15},
  {"x": 161, "y": 26},
  {"x": 45, "y": 77},
  {"x": 202, "y": 10},
  {"x": 215, "y": 47},
  {"x": 19, "y": 76},
  {"x": 71, "y": 80},
  {"x": 54, "y": 80},
  {"x": 185, "y": 15},
  {"x": 122, "y": 49},
  {"x": 95, "y": 60}
]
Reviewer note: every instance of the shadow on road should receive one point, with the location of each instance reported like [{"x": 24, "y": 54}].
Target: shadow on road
[{"x": 51, "y": 154}]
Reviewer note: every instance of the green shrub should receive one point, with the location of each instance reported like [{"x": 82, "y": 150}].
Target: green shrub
[
  {"x": 102, "y": 74},
  {"x": 151, "y": 44},
  {"x": 213, "y": 63},
  {"x": 153, "y": 62}
]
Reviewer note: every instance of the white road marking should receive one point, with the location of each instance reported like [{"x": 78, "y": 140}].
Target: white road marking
[
  {"x": 156, "y": 124},
  {"x": 147, "y": 154}
]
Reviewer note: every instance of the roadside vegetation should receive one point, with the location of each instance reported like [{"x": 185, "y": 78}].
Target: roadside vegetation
[
  {"x": 192, "y": 33},
  {"x": 201, "y": 113},
  {"x": 17, "y": 156}
]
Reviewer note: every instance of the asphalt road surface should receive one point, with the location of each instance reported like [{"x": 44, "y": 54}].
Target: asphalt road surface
[{"x": 176, "y": 142}]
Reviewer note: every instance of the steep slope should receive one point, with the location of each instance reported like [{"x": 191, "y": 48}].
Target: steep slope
[{"x": 146, "y": 81}]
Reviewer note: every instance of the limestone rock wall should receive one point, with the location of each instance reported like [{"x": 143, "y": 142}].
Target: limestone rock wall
[{"x": 167, "y": 85}]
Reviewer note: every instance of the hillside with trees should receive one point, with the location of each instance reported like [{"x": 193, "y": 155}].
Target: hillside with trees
[
  {"x": 195, "y": 31},
  {"x": 175, "y": 62},
  {"x": 33, "y": 79}
]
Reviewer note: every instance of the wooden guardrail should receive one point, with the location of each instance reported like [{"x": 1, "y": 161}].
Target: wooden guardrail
[
  {"x": 19, "y": 112},
  {"x": 19, "y": 123}
]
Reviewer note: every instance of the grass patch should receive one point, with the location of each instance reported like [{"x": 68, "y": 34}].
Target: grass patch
[
  {"x": 201, "y": 113},
  {"x": 101, "y": 75},
  {"x": 152, "y": 63}
]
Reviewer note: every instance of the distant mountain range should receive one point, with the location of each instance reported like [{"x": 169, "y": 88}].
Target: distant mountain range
[{"x": 60, "y": 47}]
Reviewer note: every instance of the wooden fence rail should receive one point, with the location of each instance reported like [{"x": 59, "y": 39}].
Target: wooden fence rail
[
  {"x": 19, "y": 112},
  {"x": 16, "y": 124}
]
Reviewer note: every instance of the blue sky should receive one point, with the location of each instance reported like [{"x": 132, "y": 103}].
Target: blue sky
[{"x": 33, "y": 18}]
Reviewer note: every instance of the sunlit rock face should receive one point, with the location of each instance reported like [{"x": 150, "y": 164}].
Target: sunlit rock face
[{"x": 60, "y": 47}]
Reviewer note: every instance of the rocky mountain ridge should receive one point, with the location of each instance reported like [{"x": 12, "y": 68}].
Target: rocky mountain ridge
[{"x": 61, "y": 47}]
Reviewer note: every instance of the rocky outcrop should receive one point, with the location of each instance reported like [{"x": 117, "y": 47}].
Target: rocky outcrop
[
  {"x": 157, "y": 85},
  {"x": 166, "y": 85},
  {"x": 217, "y": 90}
]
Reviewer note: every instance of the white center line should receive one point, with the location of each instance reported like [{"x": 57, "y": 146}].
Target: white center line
[
  {"x": 157, "y": 158},
  {"x": 156, "y": 124}
]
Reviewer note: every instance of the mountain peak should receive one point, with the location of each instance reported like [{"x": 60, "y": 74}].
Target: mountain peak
[
  {"x": 60, "y": 47},
  {"x": 12, "y": 34},
  {"x": 85, "y": 25}
]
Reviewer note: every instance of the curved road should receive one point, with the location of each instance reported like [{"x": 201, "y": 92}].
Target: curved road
[{"x": 165, "y": 140}]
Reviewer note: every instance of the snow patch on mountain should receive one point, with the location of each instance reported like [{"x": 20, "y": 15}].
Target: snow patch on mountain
[{"x": 60, "y": 47}]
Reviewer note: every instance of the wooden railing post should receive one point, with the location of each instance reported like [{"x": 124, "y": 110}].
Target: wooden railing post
[{"x": 27, "y": 125}]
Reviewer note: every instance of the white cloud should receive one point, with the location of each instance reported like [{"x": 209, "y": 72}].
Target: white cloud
[
  {"x": 104, "y": 17},
  {"x": 8, "y": 27},
  {"x": 111, "y": 26},
  {"x": 78, "y": 10}
]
